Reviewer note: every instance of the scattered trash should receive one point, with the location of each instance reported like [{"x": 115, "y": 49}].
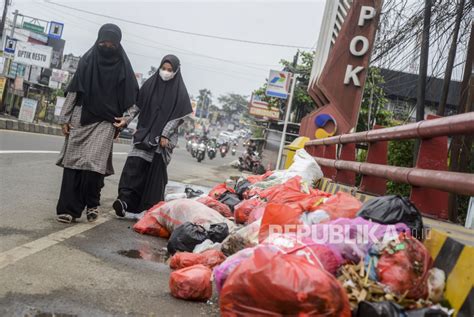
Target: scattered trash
[
  {"x": 436, "y": 285},
  {"x": 149, "y": 225},
  {"x": 242, "y": 210},
  {"x": 314, "y": 217},
  {"x": 245, "y": 237},
  {"x": 391, "y": 309},
  {"x": 230, "y": 199},
  {"x": 209, "y": 258},
  {"x": 186, "y": 237},
  {"x": 219, "y": 190},
  {"x": 191, "y": 193},
  {"x": 192, "y": 283},
  {"x": 341, "y": 205},
  {"x": 207, "y": 245},
  {"x": 218, "y": 232},
  {"x": 394, "y": 209}
]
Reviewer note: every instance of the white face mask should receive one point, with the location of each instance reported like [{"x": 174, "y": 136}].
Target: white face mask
[{"x": 166, "y": 75}]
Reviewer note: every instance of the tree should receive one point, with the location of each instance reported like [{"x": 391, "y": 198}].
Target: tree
[
  {"x": 302, "y": 102},
  {"x": 204, "y": 101},
  {"x": 373, "y": 108},
  {"x": 233, "y": 104}
]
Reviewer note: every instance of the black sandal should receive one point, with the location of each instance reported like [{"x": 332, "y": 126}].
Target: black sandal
[
  {"x": 120, "y": 208},
  {"x": 65, "y": 218},
  {"x": 92, "y": 214}
]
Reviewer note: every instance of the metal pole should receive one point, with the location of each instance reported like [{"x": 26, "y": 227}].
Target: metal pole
[
  {"x": 15, "y": 15},
  {"x": 4, "y": 17},
  {"x": 285, "y": 125}
]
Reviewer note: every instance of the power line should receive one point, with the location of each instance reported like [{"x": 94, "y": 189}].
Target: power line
[{"x": 178, "y": 31}]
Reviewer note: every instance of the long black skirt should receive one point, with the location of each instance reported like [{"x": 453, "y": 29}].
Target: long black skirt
[
  {"x": 142, "y": 184},
  {"x": 79, "y": 189}
]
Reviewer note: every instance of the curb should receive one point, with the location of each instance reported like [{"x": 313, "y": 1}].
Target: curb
[{"x": 16, "y": 125}]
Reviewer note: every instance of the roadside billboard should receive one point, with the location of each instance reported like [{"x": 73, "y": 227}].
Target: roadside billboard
[
  {"x": 28, "y": 110},
  {"x": 278, "y": 84},
  {"x": 30, "y": 54},
  {"x": 262, "y": 109}
]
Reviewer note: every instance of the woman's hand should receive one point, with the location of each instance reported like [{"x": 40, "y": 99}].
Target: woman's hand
[
  {"x": 164, "y": 142},
  {"x": 120, "y": 123},
  {"x": 66, "y": 128}
]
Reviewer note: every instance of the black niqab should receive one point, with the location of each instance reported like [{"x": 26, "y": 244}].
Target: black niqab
[
  {"x": 105, "y": 81},
  {"x": 161, "y": 102}
]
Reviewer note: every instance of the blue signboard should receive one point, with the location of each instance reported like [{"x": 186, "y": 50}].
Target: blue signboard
[
  {"x": 10, "y": 45},
  {"x": 55, "y": 30}
]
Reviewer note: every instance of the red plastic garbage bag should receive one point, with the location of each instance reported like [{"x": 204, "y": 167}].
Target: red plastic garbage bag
[
  {"x": 341, "y": 205},
  {"x": 257, "y": 213},
  {"x": 404, "y": 267},
  {"x": 282, "y": 284},
  {"x": 210, "y": 202},
  {"x": 218, "y": 190},
  {"x": 279, "y": 218},
  {"x": 149, "y": 225},
  {"x": 258, "y": 178},
  {"x": 283, "y": 192},
  {"x": 243, "y": 209},
  {"x": 192, "y": 283},
  {"x": 209, "y": 258}
]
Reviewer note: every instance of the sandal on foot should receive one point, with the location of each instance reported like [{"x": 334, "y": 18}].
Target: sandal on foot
[
  {"x": 92, "y": 214},
  {"x": 65, "y": 218},
  {"x": 120, "y": 208}
]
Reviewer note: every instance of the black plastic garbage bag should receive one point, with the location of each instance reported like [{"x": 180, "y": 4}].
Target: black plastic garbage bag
[
  {"x": 242, "y": 187},
  {"x": 218, "y": 232},
  {"x": 380, "y": 309},
  {"x": 230, "y": 199},
  {"x": 185, "y": 237},
  {"x": 390, "y": 309},
  {"x": 391, "y": 210}
]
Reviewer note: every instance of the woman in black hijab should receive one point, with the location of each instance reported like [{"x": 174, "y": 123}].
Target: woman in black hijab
[
  {"x": 104, "y": 87},
  {"x": 163, "y": 102}
]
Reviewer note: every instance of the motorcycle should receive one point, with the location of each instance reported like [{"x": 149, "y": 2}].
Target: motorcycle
[
  {"x": 189, "y": 145},
  {"x": 224, "y": 149},
  {"x": 194, "y": 149},
  {"x": 201, "y": 152},
  {"x": 211, "y": 152},
  {"x": 252, "y": 163},
  {"x": 234, "y": 151}
]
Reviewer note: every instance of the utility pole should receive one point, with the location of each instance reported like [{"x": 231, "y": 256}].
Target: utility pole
[
  {"x": 202, "y": 105},
  {"x": 451, "y": 58},
  {"x": 4, "y": 16},
  {"x": 288, "y": 110},
  {"x": 425, "y": 47}
]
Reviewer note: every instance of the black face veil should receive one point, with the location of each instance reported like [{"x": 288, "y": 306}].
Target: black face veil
[
  {"x": 161, "y": 101},
  {"x": 105, "y": 81}
]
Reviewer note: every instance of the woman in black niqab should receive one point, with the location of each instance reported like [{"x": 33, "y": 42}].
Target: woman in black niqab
[
  {"x": 164, "y": 102},
  {"x": 100, "y": 101}
]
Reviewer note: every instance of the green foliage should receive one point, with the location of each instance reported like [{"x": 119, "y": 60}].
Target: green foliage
[
  {"x": 233, "y": 104},
  {"x": 257, "y": 132},
  {"x": 400, "y": 153},
  {"x": 374, "y": 101}
]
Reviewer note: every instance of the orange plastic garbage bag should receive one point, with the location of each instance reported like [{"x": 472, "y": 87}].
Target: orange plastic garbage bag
[
  {"x": 279, "y": 218},
  {"x": 243, "y": 209},
  {"x": 282, "y": 284},
  {"x": 149, "y": 225},
  {"x": 341, "y": 205},
  {"x": 210, "y": 202},
  {"x": 209, "y": 258},
  {"x": 192, "y": 283},
  {"x": 218, "y": 190}
]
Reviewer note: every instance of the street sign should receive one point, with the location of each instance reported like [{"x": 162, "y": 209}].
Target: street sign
[
  {"x": 55, "y": 30},
  {"x": 262, "y": 109},
  {"x": 28, "y": 110},
  {"x": 278, "y": 84},
  {"x": 60, "y": 76},
  {"x": 10, "y": 45},
  {"x": 30, "y": 54},
  {"x": 58, "y": 49},
  {"x": 33, "y": 27}
]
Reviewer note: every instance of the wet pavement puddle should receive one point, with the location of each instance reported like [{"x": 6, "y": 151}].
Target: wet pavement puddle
[{"x": 159, "y": 256}]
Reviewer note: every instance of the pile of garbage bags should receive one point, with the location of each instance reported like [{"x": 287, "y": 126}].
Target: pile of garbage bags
[{"x": 274, "y": 245}]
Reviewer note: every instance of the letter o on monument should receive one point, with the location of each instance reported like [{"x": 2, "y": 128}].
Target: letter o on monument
[{"x": 355, "y": 41}]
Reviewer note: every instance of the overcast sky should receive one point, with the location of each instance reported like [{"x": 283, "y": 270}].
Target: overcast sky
[{"x": 284, "y": 22}]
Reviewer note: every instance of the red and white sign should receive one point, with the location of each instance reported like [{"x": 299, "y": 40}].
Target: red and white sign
[{"x": 262, "y": 109}]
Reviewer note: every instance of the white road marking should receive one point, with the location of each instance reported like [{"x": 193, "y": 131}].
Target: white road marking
[
  {"x": 43, "y": 152},
  {"x": 16, "y": 254}
]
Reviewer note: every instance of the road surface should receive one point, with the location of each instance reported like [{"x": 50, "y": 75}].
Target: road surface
[{"x": 100, "y": 269}]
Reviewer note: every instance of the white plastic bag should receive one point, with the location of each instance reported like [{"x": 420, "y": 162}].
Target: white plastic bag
[
  {"x": 305, "y": 166},
  {"x": 175, "y": 196},
  {"x": 177, "y": 212},
  {"x": 207, "y": 245}
]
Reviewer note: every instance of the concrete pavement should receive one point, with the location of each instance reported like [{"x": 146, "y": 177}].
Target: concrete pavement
[{"x": 104, "y": 269}]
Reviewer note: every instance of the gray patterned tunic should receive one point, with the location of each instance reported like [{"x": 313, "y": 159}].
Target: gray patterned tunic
[
  {"x": 170, "y": 132},
  {"x": 86, "y": 147}
]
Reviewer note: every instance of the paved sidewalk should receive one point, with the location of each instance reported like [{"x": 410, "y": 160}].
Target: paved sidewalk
[{"x": 42, "y": 128}]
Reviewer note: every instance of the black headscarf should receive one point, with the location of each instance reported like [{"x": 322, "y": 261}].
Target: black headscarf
[
  {"x": 104, "y": 80},
  {"x": 161, "y": 102}
]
